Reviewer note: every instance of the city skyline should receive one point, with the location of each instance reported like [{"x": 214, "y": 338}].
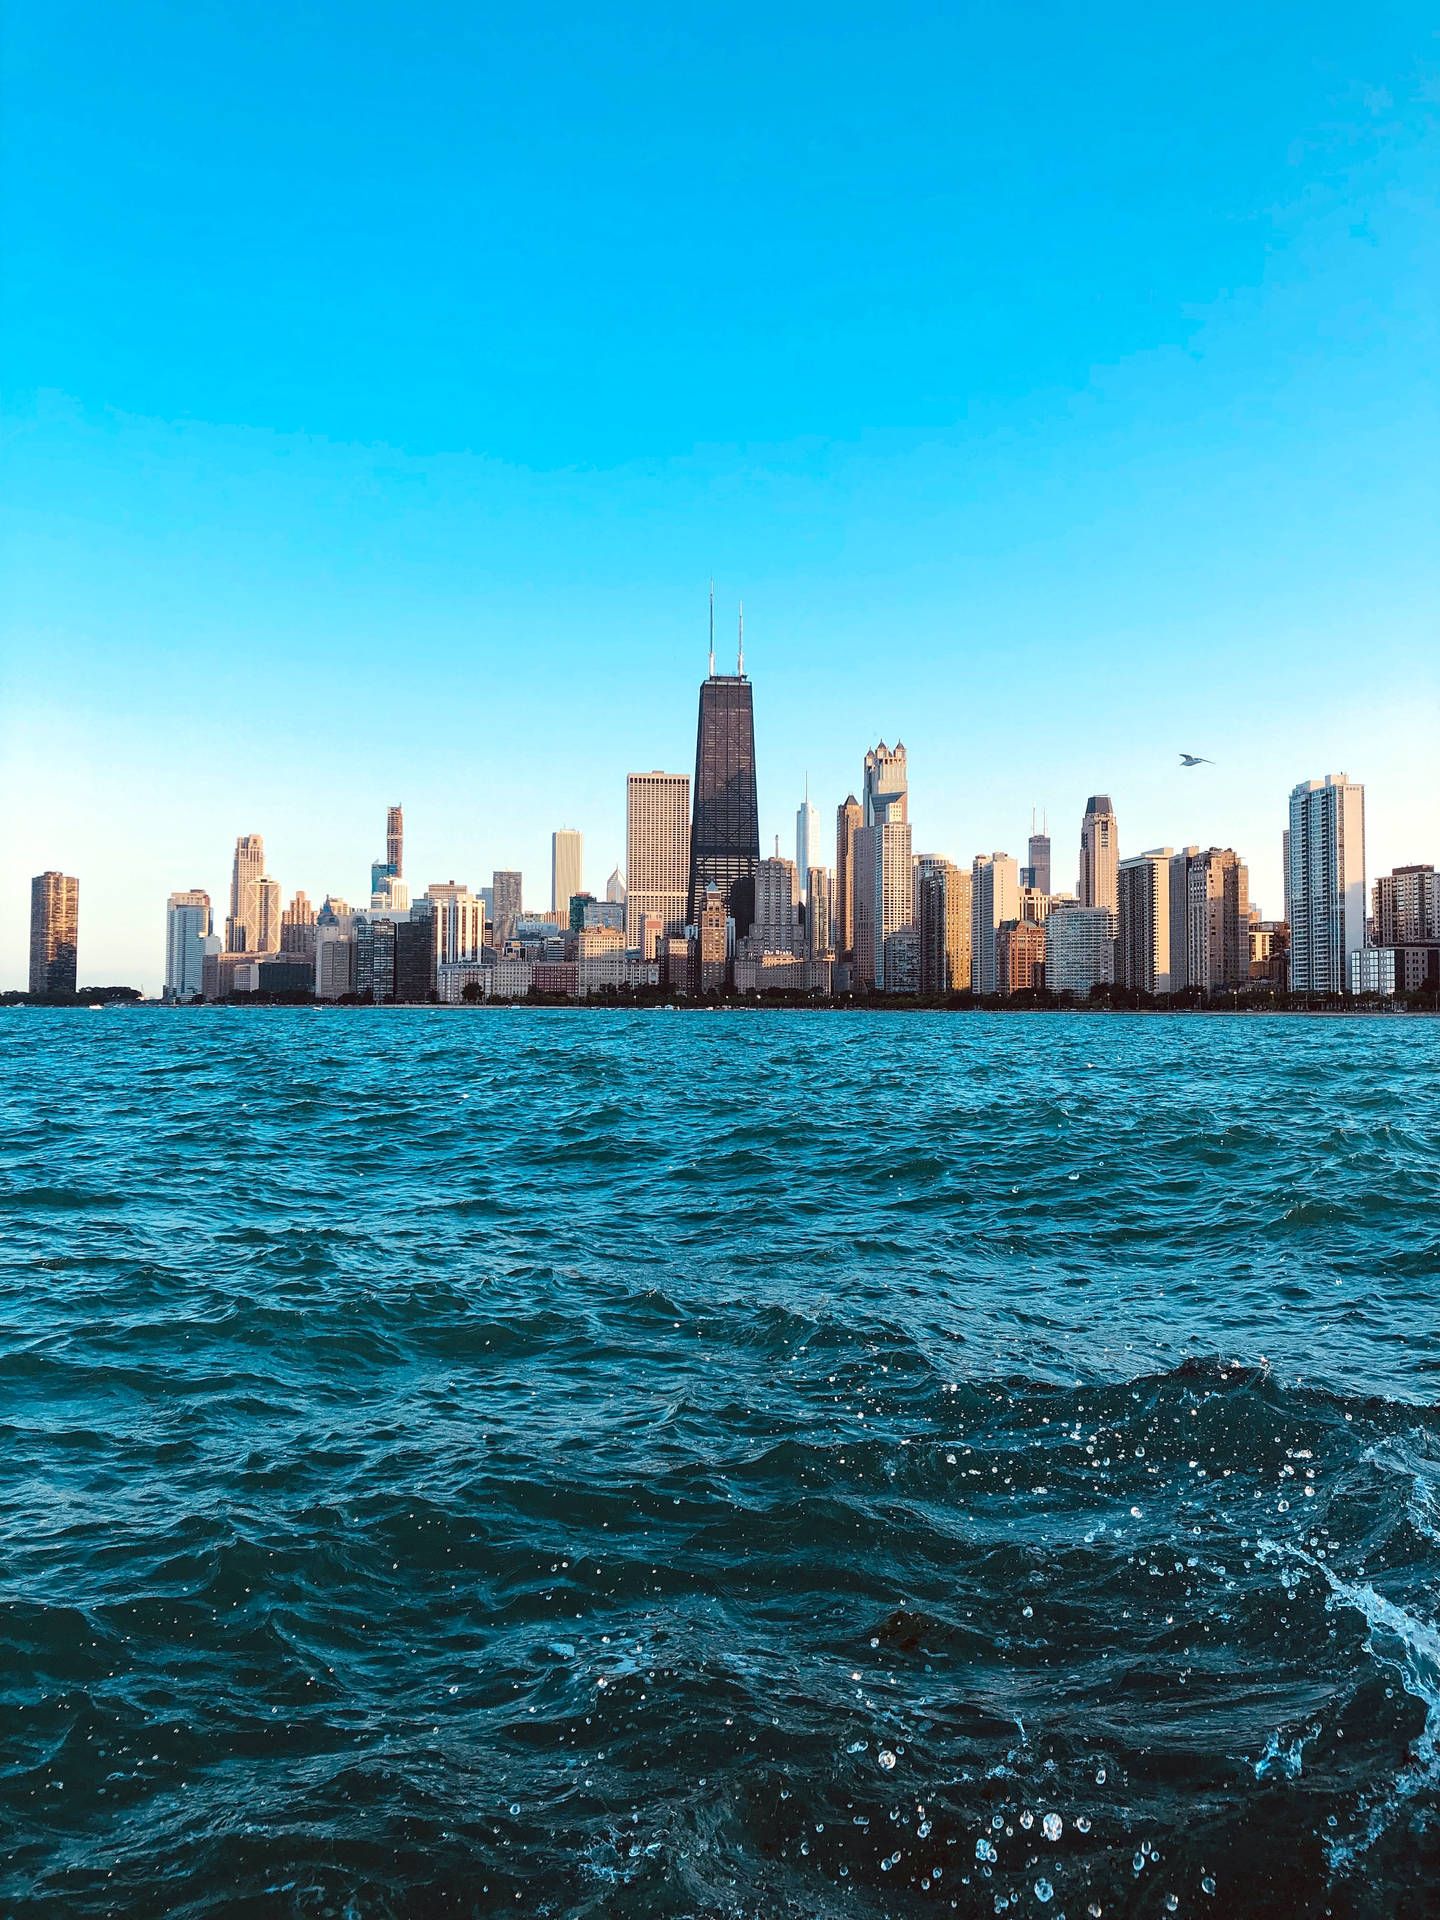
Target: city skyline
[
  {"x": 255, "y": 895},
  {"x": 1155, "y": 924},
  {"x": 888, "y": 919}
]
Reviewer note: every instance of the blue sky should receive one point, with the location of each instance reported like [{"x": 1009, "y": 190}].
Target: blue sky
[{"x": 383, "y": 385}]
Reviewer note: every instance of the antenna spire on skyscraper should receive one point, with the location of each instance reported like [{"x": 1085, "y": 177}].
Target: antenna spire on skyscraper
[
  {"x": 740, "y": 659},
  {"x": 712, "y": 629}
]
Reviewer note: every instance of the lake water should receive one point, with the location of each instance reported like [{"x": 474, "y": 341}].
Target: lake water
[{"x": 651, "y": 1464}]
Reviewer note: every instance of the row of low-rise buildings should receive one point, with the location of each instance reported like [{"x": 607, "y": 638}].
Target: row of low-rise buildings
[{"x": 699, "y": 911}]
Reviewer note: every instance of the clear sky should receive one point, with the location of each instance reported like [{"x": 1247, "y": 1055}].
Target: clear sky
[{"x": 383, "y": 384}]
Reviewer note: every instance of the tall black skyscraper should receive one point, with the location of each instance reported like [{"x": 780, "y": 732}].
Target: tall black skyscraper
[
  {"x": 725, "y": 821},
  {"x": 1037, "y": 872}
]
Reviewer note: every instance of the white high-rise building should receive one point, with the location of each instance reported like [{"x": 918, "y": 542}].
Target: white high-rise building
[
  {"x": 994, "y": 898},
  {"x": 1079, "y": 950},
  {"x": 1099, "y": 855},
  {"x": 187, "y": 925},
  {"x": 657, "y": 852},
  {"x": 807, "y": 842},
  {"x": 567, "y": 866},
  {"x": 1326, "y": 882},
  {"x": 897, "y": 934},
  {"x": 459, "y": 922},
  {"x": 615, "y": 888}
]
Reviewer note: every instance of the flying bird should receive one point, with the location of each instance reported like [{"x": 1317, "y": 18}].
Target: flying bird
[{"x": 1195, "y": 760}]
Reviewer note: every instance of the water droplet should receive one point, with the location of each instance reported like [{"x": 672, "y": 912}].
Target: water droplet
[
  {"x": 1044, "y": 1891},
  {"x": 886, "y": 1758},
  {"x": 1052, "y": 1826},
  {"x": 984, "y": 1850},
  {"x": 1027, "y": 1820},
  {"x": 1207, "y": 1885}
]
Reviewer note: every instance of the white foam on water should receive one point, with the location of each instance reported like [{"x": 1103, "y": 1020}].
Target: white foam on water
[
  {"x": 1410, "y": 1648},
  {"x": 1407, "y": 1646},
  {"x": 1422, "y": 1509}
]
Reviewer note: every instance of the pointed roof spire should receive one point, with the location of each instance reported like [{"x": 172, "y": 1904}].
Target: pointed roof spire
[
  {"x": 712, "y": 629},
  {"x": 740, "y": 660}
]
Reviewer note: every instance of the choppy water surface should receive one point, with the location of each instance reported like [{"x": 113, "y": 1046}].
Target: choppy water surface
[{"x": 573, "y": 1463}]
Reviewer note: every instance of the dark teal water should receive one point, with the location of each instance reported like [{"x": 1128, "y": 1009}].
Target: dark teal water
[{"x": 572, "y": 1463}]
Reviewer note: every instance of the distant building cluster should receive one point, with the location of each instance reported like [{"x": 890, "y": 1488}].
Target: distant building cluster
[{"x": 697, "y": 911}]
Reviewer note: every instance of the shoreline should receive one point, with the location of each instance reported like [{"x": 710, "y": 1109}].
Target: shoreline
[{"x": 1010, "y": 1007}]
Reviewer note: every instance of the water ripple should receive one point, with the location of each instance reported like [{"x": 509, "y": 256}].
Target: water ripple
[{"x": 582, "y": 1463}]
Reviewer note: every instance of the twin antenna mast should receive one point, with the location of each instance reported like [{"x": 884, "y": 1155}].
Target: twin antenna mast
[{"x": 740, "y": 658}]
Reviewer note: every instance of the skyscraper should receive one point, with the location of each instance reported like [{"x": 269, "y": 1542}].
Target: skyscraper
[
  {"x": 994, "y": 899},
  {"x": 297, "y": 928},
  {"x": 54, "y": 932},
  {"x": 459, "y": 922},
  {"x": 187, "y": 925},
  {"x": 1079, "y": 949},
  {"x": 710, "y": 943},
  {"x": 271, "y": 914},
  {"x": 886, "y": 784},
  {"x": 849, "y": 818},
  {"x": 567, "y": 860},
  {"x": 887, "y": 948},
  {"x": 1327, "y": 882},
  {"x": 1099, "y": 855},
  {"x": 1143, "y": 949},
  {"x": 416, "y": 952},
  {"x": 615, "y": 888},
  {"x": 374, "y": 957},
  {"x": 1035, "y": 873},
  {"x": 945, "y": 928},
  {"x": 387, "y": 888},
  {"x": 1217, "y": 927},
  {"x": 776, "y": 926},
  {"x": 1180, "y": 917},
  {"x": 1020, "y": 950},
  {"x": 507, "y": 892},
  {"x": 335, "y": 950},
  {"x": 820, "y": 913},
  {"x": 1407, "y": 907},
  {"x": 807, "y": 841},
  {"x": 725, "y": 822},
  {"x": 657, "y": 854},
  {"x": 242, "y": 927}
]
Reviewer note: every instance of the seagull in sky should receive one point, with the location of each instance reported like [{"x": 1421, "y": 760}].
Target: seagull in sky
[{"x": 1195, "y": 760}]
